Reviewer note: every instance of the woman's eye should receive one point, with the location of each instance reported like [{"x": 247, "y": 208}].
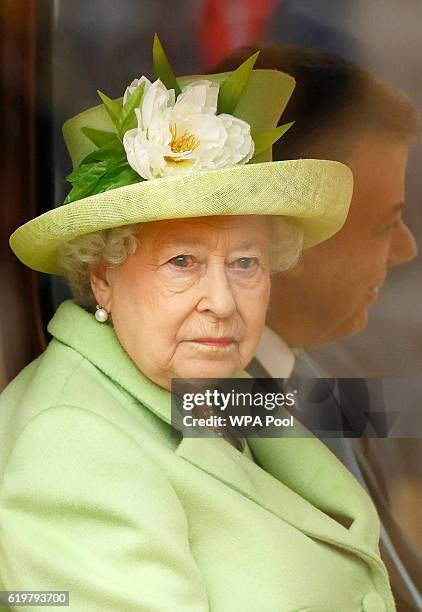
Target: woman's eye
[
  {"x": 245, "y": 263},
  {"x": 182, "y": 261}
]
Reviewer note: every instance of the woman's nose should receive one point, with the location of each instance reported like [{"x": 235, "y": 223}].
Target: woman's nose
[
  {"x": 216, "y": 292},
  {"x": 403, "y": 246}
]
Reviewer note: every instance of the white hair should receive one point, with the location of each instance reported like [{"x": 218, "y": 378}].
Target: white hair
[{"x": 112, "y": 246}]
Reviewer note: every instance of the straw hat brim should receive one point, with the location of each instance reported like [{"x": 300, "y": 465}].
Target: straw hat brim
[{"x": 316, "y": 193}]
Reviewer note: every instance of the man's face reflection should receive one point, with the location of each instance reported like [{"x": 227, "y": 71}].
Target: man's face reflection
[{"x": 328, "y": 294}]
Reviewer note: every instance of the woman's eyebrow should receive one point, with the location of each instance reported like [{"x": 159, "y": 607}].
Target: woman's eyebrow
[
  {"x": 248, "y": 244},
  {"x": 179, "y": 241},
  {"x": 183, "y": 242}
]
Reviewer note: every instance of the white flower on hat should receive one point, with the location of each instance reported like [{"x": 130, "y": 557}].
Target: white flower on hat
[{"x": 183, "y": 135}]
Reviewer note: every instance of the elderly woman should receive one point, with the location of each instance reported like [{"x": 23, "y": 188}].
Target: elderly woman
[{"x": 168, "y": 239}]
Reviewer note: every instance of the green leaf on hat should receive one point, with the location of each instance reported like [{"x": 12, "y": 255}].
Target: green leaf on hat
[
  {"x": 127, "y": 115},
  {"x": 162, "y": 68},
  {"x": 84, "y": 179},
  {"x": 265, "y": 140},
  {"x": 93, "y": 178},
  {"x": 83, "y": 172},
  {"x": 233, "y": 86},
  {"x": 94, "y": 167},
  {"x": 98, "y": 137},
  {"x": 112, "y": 154},
  {"x": 113, "y": 108},
  {"x": 118, "y": 177}
]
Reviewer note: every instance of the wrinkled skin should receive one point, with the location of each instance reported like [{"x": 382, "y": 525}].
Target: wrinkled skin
[{"x": 191, "y": 301}]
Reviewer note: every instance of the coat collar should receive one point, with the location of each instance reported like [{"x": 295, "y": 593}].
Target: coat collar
[
  {"x": 97, "y": 342},
  {"x": 297, "y": 479}
]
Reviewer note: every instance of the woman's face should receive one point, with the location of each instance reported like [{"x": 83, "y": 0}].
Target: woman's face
[{"x": 191, "y": 301}]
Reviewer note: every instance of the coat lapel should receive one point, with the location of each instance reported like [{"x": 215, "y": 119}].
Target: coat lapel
[{"x": 297, "y": 479}]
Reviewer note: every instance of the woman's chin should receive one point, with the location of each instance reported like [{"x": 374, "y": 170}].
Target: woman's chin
[
  {"x": 211, "y": 369},
  {"x": 195, "y": 360}
]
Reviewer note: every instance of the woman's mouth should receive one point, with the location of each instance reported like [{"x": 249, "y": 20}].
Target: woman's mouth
[{"x": 211, "y": 342}]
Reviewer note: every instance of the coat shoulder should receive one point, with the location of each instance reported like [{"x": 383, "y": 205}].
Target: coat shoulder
[{"x": 62, "y": 377}]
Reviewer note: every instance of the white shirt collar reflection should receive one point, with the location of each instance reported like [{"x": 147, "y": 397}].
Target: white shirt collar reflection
[{"x": 275, "y": 355}]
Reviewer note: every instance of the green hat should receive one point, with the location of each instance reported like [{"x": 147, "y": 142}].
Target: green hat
[{"x": 192, "y": 147}]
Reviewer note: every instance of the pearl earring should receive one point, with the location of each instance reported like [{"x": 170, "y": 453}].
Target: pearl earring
[{"x": 101, "y": 314}]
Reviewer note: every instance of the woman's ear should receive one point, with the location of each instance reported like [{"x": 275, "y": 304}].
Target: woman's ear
[{"x": 101, "y": 285}]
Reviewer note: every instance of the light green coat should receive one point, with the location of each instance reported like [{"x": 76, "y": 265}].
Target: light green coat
[{"x": 99, "y": 499}]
